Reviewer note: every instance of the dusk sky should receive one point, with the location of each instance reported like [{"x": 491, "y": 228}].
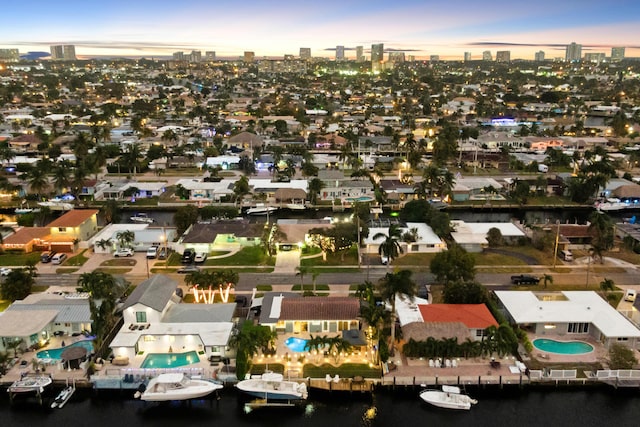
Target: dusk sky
[{"x": 419, "y": 27}]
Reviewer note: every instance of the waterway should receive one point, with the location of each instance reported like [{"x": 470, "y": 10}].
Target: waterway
[{"x": 530, "y": 407}]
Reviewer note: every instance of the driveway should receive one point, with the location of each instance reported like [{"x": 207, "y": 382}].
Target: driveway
[{"x": 287, "y": 261}]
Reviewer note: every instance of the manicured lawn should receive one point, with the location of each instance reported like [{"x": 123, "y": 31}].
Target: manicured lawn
[
  {"x": 309, "y": 287},
  {"x": 346, "y": 370},
  {"x": 249, "y": 256},
  {"x": 38, "y": 289},
  {"x": 78, "y": 260},
  {"x": 496, "y": 259},
  {"x": 66, "y": 270},
  {"x": 113, "y": 270},
  {"x": 19, "y": 259},
  {"x": 119, "y": 262},
  {"x": 348, "y": 258},
  {"x": 4, "y": 304},
  {"x": 413, "y": 259},
  {"x": 264, "y": 288}
]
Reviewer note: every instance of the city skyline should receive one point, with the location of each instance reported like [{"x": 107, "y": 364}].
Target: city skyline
[{"x": 420, "y": 28}]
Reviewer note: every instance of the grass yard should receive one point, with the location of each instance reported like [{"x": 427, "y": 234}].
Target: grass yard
[
  {"x": 346, "y": 370},
  {"x": 77, "y": 260},
  {"x": 249, "y": 256},
  {"x": 19, "y": 259},
  {"x": 119, "y": 262},
  {"x": 310, "y": 287},
  {"x": 347, "y": 258},
  {"x": 66, "y": 270},
  {"x": 113, "y": 270}
]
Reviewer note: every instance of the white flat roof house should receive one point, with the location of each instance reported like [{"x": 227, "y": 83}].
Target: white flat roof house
[
  {"x": 472, "y": 236},
  {"x": 427, "y": 241},
  {"x": 569, "y": 313}
]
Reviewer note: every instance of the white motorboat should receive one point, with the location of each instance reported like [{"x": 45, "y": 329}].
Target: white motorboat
[
  {"x": 56, "y": 205},
  {"x": 30, "y": 383},
  {"x": 176, "y": 386},
  {"x": 261, "y": 209},
  {"x": 272, "y": 386},
  {"x": 63, "y": 397},
  {"x": 296, "y": 206},
  {"x": 612, "y": 205},
  {"x": 142, "y": 217},
  {"x": 449, "y": 397}
]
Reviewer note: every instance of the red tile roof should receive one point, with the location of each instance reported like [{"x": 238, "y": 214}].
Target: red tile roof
[
  {"x": 320, "y": 308},
  {"x": 26, "y": 235},
  {"x": 475, "y": 316},
  {"x": 73, "y": 218}
]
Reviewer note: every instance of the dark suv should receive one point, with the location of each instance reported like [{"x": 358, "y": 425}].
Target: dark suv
[
  {"x": 524, "y": 279},
  {"x": 188, "y": 256},
  {"x": 45, "y": 257}
]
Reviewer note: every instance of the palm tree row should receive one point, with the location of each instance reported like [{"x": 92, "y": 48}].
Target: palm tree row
[{"x": 324, "y": 345}]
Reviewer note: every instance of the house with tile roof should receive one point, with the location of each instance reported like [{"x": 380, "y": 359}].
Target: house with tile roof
[
  {"x": 60, "y": 235},
  {"x": 291, "y": 314},
  {"x": 220, "y": 235},
  {"x": 569, "y": 314},
  {"x": 36, "y": 318},
  {"x": 440, "y": 321},
  {"x": 155, "y": 321}
]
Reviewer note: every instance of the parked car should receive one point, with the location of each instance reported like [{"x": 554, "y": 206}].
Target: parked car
[
  {"x": 46, "y": 257},
  {"x": 123, "y": 252},
  {"x": 630, "y": 295},
  {"x": 188, "y": 256},
  {"x": 4, "y": 271},
  {"x": 152, "y": 252},
  {"x": 523, "y": 279},
  {"x": 188, "y": 269},
  {"x": 200, "y": 257},
  {"x": 58, "y": 258},
  {"x": 163, "y": 253}
]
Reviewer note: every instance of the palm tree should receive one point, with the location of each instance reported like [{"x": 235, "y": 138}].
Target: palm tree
[
  {"x": 103, "y": 243},
  {"x": 302, "y": 271},
  {"x": 125, "y": 238},
  {"x": 38, "y": 179},
  {"x": 390, "y": 247},
  {"x": 111, "y": 211},
  {"x": 61, "y": 176},
  {"x": 548, "y": 280},
  {"x": 315, "y": 186},
  {"x": 391, "y": 285},
  {"x": 607, "y": 285}
]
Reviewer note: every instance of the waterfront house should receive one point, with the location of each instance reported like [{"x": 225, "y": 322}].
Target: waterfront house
[
  {"x": 145, "y": 235},
  {"x": 473, "y": 236},
  {"x": 294, "y": 233},
  {"x": 207, "y": 191},
  {"x": 290, "y": 314},
  {"x": 39, "y": 316},
  {"x": 569, "y": 315},
  {"x": 155, "y": 321},
  {"x": 221, "y": 235},
  {"x": 420, "y": 239}
]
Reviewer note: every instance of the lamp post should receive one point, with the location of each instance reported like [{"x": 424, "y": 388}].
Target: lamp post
[
  {"x": 555, "y": 251},
  {"x": 589, "y": 266}
]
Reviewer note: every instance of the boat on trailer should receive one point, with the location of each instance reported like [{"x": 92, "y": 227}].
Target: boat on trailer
[
  {"x": 449, "y": 397},
  {"x": 176, "y": 386}
]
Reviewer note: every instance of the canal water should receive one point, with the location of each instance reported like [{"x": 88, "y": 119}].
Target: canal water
[{"x": 400, "y": 408}]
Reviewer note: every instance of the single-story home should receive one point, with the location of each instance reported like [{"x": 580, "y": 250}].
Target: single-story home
[
  {"x": 221, "y": 235},
  {"x": 425, "y": 240},
  {"x": 569, "y": 314},
  {"x": 472, "y": 236},
  {"x": 146, "y": 235}
]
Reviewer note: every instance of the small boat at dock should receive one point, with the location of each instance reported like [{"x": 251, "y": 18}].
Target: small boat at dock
[
  {"x": 272, "y": 386},
  {"x": 176, "y": 386},
  {"x": 63, "y": 397},
  {"x": 142, "y": 218},
  {"x": 261, "y": 209},
  {"x": 449, "y": 397}
]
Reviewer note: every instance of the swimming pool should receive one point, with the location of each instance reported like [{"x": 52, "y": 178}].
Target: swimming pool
[
  {"x": 562, "y": 347},
  {"x": 296, "y": 344},
  {"x": 56, "y": 353},
  {"x": 170, "y": 360}
]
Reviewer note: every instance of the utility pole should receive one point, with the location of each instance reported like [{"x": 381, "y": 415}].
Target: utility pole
[{"x": 555, "y": 251}]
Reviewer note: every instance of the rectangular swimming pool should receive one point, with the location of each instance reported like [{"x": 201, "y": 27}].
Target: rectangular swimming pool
[
  {"x": 170, "y": 360},
  {"x": 56, "y": 353}
]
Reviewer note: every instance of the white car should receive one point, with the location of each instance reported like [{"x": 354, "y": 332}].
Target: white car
[
  {"x": 5, "y": 271},
  {"x": 123, "y": 252},
  {"x": 200, "y": 257},
  {"x": 152, "y": 252}
]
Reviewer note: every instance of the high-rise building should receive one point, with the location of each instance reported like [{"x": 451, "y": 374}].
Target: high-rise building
[
  {"x": 503, "y": 56},
  {"x": 596, "y": 57},
  {"x": 210, "y": 55},
  {"x": 359, "y": 54},
  {"x": 9, "y": 55},
  {"x": 249, "y": 56},
  {"x": 377, "y": 57},
  {"x": 539, "y": 56},
  {"x": 289, "y": 57},
  {"x": 396, "y": 57},
  {"x": 467, "y": 56},
  {"x": 69, "y": 52},
  {"x": 339, "y": 53},
  {"x": 573, "y": 52},
  {"x": 196, "y": 56},
  {"x": 617, "y": 54},
  {"x": 57, "y": 53},
  {"x": 486, "y": 56},
  {"x": 305, "y": 53},
  {"x": 178, "y": 56},
  {"x": 63, "y": 52}
]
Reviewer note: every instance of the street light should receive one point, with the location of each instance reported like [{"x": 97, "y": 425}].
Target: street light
[{"x": 589, "y": 266}]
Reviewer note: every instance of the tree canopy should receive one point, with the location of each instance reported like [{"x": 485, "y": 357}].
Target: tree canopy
[
  {"x": 452, "y": 265},
  {"x": 17, "y": 285}
]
